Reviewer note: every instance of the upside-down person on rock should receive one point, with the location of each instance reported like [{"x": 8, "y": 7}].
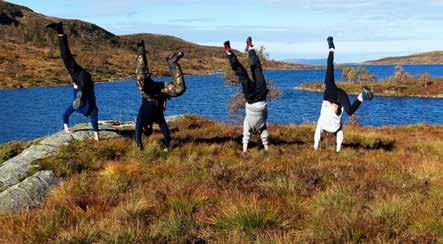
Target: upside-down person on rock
[
  {"x": 255, "y": 93},
  {"x": 84, "y": 95},
  {"x": 335, "y": 101},
  {"x": 154, "y": 95}
]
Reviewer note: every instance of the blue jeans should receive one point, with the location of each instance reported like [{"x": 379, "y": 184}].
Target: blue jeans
[
  {"x": 148, "y": 114},
  {"x": 87, "y": 108}
]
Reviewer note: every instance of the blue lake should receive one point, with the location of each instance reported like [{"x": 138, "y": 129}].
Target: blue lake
[{"x": 34, "y": 112}]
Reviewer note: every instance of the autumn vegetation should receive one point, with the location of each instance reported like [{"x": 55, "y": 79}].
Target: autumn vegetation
[
  {"x": 30, "y": 57},
  {"x": 434, "y": 57},
  {"x": 237, "y": 100},
  {"x": 399, "y": 84},
  {"x": 385, "y": 186}
]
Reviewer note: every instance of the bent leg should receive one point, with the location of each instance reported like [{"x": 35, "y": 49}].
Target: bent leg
[
  {"x": 177, "y": 86},
  {"x": 343, "y": 100}
]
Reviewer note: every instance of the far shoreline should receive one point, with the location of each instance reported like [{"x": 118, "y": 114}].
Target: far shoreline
[{"x": 301, "y": 88}]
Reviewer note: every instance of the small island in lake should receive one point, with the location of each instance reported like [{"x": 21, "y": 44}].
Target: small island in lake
[{"x": 400, "y": 84}]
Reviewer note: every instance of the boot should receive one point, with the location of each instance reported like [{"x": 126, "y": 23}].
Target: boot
[{"x": 57, "y": 27}]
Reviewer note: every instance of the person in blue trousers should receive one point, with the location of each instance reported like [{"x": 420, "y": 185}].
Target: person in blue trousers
[{"x": 83, "y": 86}]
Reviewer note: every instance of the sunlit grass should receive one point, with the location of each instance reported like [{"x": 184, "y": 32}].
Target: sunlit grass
[{"x": 385, "y": 186}]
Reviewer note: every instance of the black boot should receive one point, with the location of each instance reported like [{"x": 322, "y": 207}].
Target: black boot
[
  {"x": 331, "y": 42},
  {"x": 141, "y": 47},
  {"x": 174, "y": 58},
  {"x": 249, "y": 44},
  {"x": 58, "y": 27},
  {"x": 367, "y": 93},
  {"x": 227, "y": 46}
]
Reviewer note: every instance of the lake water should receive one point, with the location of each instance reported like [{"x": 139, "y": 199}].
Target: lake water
[{"x": 35, "y": 112}]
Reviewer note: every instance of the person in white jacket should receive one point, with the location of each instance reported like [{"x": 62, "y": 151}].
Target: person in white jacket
[
  {"x": 255, "y": 92},
  {"x": 335, "y": 101}
]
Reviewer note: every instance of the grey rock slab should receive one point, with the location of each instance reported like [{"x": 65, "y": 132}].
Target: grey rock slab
[
  {"x": 57, "y": 139},
  {"x": 16, "y": 169},
  {"x": 27, "y": 194},
  {"x": 20, "y": 192}
]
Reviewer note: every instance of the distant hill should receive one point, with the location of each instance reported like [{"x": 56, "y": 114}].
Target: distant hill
[
  {"x": 29, "y": 53},
  {"x": 435, "y": 57},
  {"x": 305, "y": 61}
]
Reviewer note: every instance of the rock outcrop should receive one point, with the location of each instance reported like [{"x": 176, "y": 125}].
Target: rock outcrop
[{"x": 18, "y": 189}]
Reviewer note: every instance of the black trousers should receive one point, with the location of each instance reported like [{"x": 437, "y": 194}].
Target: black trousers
[
  {"x": 254, "y": 89},
  {"x": 334, "y": 94},
  {"x": 79, "y": 75},
  {"x": 149, "y": 113}
]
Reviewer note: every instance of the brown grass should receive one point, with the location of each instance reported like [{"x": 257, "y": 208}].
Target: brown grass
[
  {"x": 434, "y": 57},
  {"x": 412, "y": 87},
  {"x": 11, "y": 149},
  {"x": 385, "y": 186}
]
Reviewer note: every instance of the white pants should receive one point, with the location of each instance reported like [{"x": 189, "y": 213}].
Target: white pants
[
  {"x": 256, "y": 121},
  {"x": 331, "y": 122},
  {"x": 317, "y": 137}
]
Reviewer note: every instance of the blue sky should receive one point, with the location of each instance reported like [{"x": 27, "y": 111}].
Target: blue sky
[{"x": 363, "y": 29}]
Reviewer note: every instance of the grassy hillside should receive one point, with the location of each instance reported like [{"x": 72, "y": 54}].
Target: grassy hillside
[
  {"x": 385, "y": 186},
  {"x": 435, "y": 57},
  {"x": 413, "y": 87},
  {"x": 30, "y": 55}
]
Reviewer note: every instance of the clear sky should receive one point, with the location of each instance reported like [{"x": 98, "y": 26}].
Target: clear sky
[{"x": 363, "y": 29}]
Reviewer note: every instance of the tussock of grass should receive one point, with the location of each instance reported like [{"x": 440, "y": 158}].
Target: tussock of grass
[
  {"x": 385, "y": 186},
  {"x": 249, "y": 215},
  {"x": 11, "y": 149}
]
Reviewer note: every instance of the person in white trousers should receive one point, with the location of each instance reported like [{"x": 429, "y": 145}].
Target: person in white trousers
[
  {"x": 255, "y": 92},
  {"x": 335, "y": 102}
]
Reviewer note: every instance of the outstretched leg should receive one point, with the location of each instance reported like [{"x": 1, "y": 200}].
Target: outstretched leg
[
  {"x": 330, "y": 93},
  {"x": 68, "y": 59},
  {"x": 257, "y": 72},
  {"x": 75, "y": 70},
  {"x": 247, "y": 85},
  {"x": 336, "y": 95},
  {"x": 84, "y": 96},
  {"x": 177, "y": 86},
  {"x": 142, "y": 71}
]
